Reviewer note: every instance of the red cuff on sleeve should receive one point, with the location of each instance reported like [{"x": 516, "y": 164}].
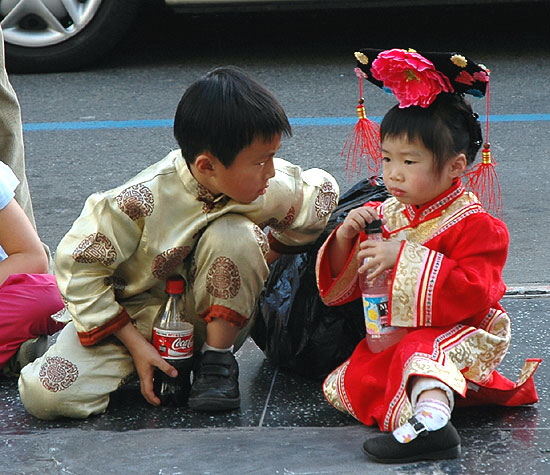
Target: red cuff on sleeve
[
  {"x": 219, "y": 311},
  {"x": 97, "y": 334}
]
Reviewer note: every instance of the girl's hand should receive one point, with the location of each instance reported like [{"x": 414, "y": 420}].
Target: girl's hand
[
  {"x": 382, "y": 255},
  {"x": 340, "y": 247},
  {"x": 355, "y": 222}
]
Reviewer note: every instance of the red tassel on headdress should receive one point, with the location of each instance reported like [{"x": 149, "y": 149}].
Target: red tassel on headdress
[
  {"x": 363, "y": 143},
  {"x": 482, "y": 179},
  {"x": 484, "y": 182}
]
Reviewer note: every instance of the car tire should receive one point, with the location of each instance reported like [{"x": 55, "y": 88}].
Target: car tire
[{"x": 104, "y": 30}]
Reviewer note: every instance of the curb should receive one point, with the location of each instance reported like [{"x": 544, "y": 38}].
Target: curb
[{"x": 526, "y": 291}]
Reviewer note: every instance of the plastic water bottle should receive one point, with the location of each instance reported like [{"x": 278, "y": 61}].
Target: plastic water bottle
[{"x": 375, "y": 302}]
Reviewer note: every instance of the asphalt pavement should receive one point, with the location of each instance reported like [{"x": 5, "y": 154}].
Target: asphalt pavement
[
  {"x": 91, "y": 130},
  {"x": 284, "y": 426}
]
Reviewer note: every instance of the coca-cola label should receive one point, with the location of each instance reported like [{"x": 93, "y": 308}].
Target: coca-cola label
[{"x": 173, "y": 344}]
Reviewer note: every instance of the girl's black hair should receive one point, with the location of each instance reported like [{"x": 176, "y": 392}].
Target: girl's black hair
[
  {"x": 224, "y": 112},
  {"x": 447, "y": 127}
]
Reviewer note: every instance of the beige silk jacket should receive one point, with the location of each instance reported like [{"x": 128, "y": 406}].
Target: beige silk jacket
[{"x": 114, "y": 260}]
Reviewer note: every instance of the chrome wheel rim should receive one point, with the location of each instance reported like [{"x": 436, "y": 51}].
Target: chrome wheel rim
[{"x": 38, "y": 23}]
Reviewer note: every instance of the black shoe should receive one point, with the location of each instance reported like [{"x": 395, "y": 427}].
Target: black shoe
[
  {"x": 216, "y": 382},
  {"x": 428, "y": 445}
]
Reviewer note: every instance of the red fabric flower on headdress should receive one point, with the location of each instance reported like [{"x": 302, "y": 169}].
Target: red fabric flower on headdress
[{"x": 412, "y": 78}]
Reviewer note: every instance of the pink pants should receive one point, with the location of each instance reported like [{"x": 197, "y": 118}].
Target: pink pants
[{"x": 27, "y": 302}]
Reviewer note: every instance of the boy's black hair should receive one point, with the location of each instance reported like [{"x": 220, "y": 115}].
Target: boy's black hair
[
  {"x": 224, "y": 112},
  {"x": 447, "y": 127}
]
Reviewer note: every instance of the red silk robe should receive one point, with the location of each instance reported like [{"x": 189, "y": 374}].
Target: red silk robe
[{"x": 445, "y": 290}]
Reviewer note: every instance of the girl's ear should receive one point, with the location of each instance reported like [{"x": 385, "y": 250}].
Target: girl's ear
[{"x": 458, "y": 165}]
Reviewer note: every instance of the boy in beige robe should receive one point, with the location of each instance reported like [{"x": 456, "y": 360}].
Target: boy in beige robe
[{"x": 200, "y": 212}]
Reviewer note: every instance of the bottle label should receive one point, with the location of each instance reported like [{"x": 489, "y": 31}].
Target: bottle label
[
  {"x": 174, "y": 344},
  {"x": 375, "y": 309}
]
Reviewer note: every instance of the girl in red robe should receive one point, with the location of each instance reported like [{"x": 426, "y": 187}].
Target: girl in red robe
[{"x": 447, "y": 254}]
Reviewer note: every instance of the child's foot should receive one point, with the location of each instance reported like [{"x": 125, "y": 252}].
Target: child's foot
[
  {"x": 27, "y": 353},
  {"x": 423, "y": 444},
  {"x": 216, "y": 382}
]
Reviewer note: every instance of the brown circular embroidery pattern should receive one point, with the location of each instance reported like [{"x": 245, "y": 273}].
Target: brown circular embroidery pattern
[
  {"x": 136, "y": 201},
  {"x": 326, "y": 200},
  {"x": 95, "y": 248},
  {"x": 57, "y": 374},
  {"x": 262, "y": 240},
  {"x": 286, "y": 221},
  {"x": 223, "y": 279},
  {"x": 166, "y": 263}
]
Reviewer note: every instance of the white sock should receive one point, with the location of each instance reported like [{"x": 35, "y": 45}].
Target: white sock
[
  {"x": 206, "y": 347},
  {"x": 432, "y": 413}
]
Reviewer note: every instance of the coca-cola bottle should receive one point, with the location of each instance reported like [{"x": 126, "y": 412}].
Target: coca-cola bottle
[
  {"x": 173, "y": 339},
  {"x": 375, "y": 302}
]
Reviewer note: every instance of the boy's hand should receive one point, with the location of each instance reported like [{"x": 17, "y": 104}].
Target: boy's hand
[
  {"x": 146, "y": 359},
  {"x": 356, "y": 221},
  {"x": 382, "y": 256}
]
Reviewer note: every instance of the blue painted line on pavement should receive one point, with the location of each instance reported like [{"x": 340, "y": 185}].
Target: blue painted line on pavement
[
  {"x": 96, "y": 124},
  {"x": 295, "y": 121}
]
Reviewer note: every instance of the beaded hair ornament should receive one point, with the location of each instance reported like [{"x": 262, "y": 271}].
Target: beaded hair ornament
[{"x": 415, "y": 79}]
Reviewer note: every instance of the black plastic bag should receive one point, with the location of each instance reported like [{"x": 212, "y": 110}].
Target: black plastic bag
[{"x": 294, "y": 328}]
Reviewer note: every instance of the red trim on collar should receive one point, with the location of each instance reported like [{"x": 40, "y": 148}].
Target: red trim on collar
[{"x": 436, "y": 206}]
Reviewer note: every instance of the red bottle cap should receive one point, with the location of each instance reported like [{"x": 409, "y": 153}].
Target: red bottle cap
[{"x": 175, "y": 286}]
